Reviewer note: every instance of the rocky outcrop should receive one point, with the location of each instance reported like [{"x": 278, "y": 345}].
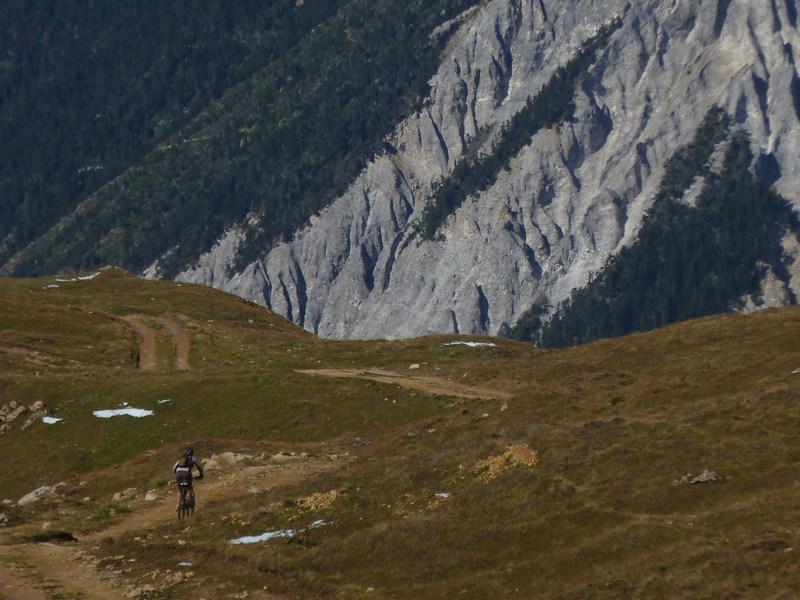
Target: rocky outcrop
[
  {"x": 10, "y": 412},
  {"x": 569, "y": 200}
]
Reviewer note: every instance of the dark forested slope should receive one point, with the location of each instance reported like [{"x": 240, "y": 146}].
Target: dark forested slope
[
  {"x": 688, "y": 261},
  {"x": 177, "y": 119}
]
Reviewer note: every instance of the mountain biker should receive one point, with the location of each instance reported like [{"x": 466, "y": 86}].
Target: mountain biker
[{"x": 183, "y": 473}]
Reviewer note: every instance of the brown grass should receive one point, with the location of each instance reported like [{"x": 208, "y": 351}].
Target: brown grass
[{"x": 556, "y": 484}]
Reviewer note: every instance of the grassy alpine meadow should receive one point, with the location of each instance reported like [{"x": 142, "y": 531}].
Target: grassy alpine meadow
[{"x": 658, "y": 465}]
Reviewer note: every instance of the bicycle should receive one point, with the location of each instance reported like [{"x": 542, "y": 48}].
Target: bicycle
[{"x": 186, "y": 506}]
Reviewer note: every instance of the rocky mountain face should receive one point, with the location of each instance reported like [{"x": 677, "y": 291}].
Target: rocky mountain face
[{"x": 568, "y": 201}]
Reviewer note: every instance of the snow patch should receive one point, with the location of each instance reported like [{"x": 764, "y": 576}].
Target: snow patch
[
  {"x": 131, "y": 412},
  {"x": 284, "y": 533},
  {"x": 81, "y": 278},
  {"x": 70, "y": 280},
  {"x": 50, "y": 420},
  {"x": 472, "y": 344}
]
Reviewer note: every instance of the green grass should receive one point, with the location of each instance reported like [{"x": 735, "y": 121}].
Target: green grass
[{"x": 614, "y": 424}]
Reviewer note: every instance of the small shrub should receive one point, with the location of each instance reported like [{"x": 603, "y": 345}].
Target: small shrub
[
  {"x": 51, "y": 536},
  {"x": 106, "y": 511}
]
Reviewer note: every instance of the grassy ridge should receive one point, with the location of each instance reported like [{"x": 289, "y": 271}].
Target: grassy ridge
[
  {"x": 613, "y": 426},
  {"x": 71, "y": 347}
]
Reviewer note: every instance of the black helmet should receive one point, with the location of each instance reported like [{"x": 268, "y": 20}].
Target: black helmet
[{"x": 188, "y": 452}]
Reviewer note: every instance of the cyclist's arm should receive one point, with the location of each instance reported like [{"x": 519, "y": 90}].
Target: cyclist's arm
[{"x": 199, "y": 468}]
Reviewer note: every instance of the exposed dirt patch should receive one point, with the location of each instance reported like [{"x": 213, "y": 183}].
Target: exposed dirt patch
[
  {"x": 492, "y": 467},
  {"x": 319, "y": 500},
  {"x": 421, "y": 383}
]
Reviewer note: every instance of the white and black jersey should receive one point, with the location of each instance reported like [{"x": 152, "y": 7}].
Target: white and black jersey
[{"x": 183, "y": 470}]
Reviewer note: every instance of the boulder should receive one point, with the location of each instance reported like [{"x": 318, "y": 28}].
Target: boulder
[{"x": 36, "y": 495}]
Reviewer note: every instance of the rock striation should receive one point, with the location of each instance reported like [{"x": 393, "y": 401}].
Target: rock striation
[{"x": 569, "y": 200}]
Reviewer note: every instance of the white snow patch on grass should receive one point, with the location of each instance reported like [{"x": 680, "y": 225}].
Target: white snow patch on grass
[
  {"x": 81, "y": 278},
  {"x": 50, "y": 420},
  {"x": 472, "y": 344},
  {"x": 284, "y": 533},
  {"x": 131, "y": 412}
]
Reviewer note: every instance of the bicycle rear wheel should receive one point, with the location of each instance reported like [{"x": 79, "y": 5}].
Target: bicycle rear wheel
[{"x": 183, "y": 509}]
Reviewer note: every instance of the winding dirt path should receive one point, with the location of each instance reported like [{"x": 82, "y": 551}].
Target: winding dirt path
[
  {"x": 420, "y": 383},
  {"x": 46, "y": 571}
]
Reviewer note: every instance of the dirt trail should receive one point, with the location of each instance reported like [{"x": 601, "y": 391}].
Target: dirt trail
[
  {"x": 420, "y": 383},
  {"x": 45, "y": 571},
  {"x": 214, "y": 488},
  {"x": 181, "y": 344},
  {"x": 148, "y": 343}
]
